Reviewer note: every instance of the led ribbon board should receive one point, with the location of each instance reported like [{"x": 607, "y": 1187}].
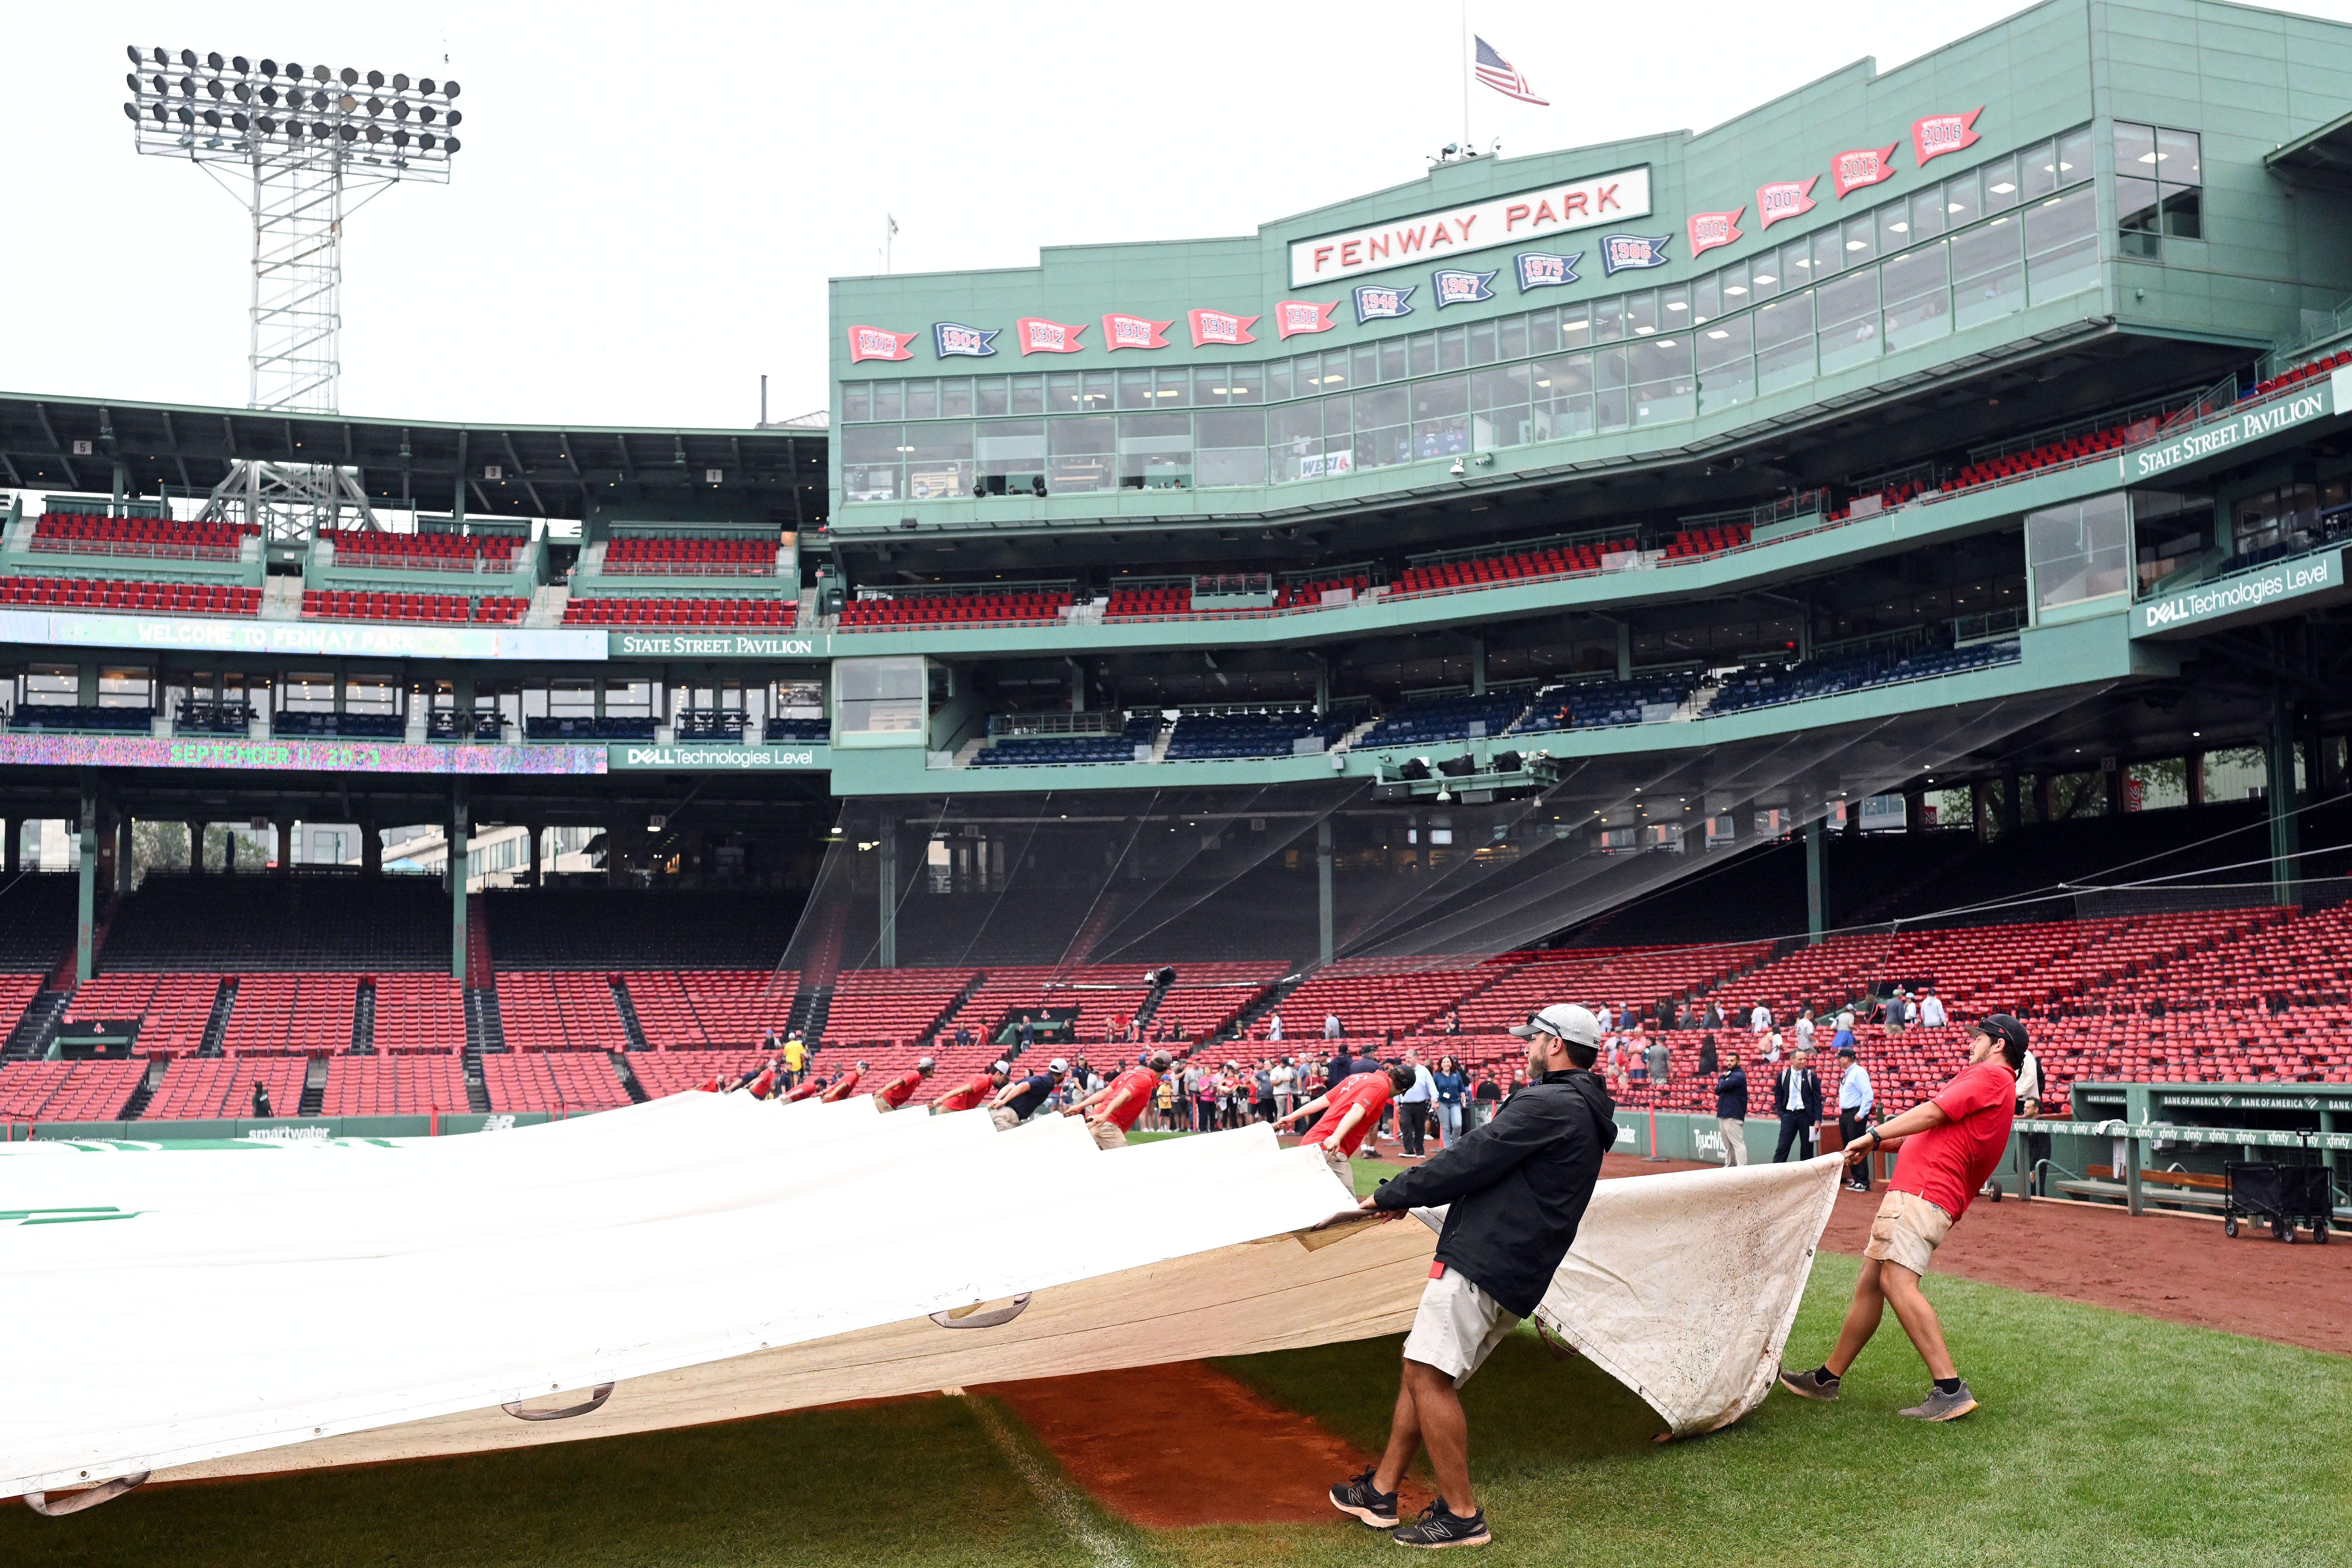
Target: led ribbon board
[{"x": 292, "y": 755}]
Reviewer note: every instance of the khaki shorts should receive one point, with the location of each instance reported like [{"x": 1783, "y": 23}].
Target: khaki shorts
[
  {"x": 1907, "y": 1231},
  {"x": 1107, "y": 1134},
  {"x": 1005, "y": 1118},
  {"x": 1339, "y": 1165},
  {"x": 1457, "y": 1328}
]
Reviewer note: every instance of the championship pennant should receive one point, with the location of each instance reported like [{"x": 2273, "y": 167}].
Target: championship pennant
[
  {"x": 1941, "y": 133},
  {"x": 880, "y": 342},
  {"x": 1038, "y": 336},
  {"x": 1709, "y": 230},
  {"x": 950, "y": 340},
  {"x": 1222, "y": 327},
  {"x": 1377, "y": 302},
  {"x": 1461, "y": 287},
  {"x": 1785, "y": 198},
  {"x": 1862, "y": 166},
  {"x": 1625, "y": 252},
  {"x": 1538, "y": 270},
  {"x": 1133, "y": 332},
  {"x": 1294, "y": 316}
]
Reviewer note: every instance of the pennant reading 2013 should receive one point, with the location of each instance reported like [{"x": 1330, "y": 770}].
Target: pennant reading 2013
[
  {"x": 1540, "y": 270},
  {"x": 1377, "y": 302},
  {"x": 1133, "y": 332},
  {"x": 880, "y": 342},
  {"x": 1624, "y": 252},
  {"x": 1709, "y": 230},
  {"x": 950, "y": 340},
  {"x": 1941, "y": 133},
  {"x": 1461, "y": 287},
  {"x": 1038, "y": 336},
  {"x": 1850, "y": 171},
  {"x": 1785, "y": 198},
  {"x": 1223, "y": 327}
]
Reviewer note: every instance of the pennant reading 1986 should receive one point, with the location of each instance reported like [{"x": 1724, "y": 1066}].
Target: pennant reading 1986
[
  {"x": 1376, "y": 301},
  {"x": 1623, "y": 252}
]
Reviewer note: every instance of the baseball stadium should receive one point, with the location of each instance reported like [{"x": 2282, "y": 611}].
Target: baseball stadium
[{"x": 580, "y": 994}]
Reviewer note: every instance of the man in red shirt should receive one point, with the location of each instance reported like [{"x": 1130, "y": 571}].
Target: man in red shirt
[
  {"x": 900, "y": 1089},
  {"x": 844, "y": 1086},
  {"x": 979, "y": 1091},
  {"x": 809, "y": 1088},
  {"x": 1121, "y": 1101},
  {"x": 1951, "y": 1145},
  {"x": 1355, "y": 1102}
]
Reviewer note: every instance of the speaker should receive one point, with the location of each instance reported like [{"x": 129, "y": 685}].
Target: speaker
[
  {"x": 1458, "y": 767},
  {"x": 1415, "y": 768}
]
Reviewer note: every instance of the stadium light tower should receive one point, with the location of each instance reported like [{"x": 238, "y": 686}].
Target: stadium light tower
[{"x": 303, "y": 148}]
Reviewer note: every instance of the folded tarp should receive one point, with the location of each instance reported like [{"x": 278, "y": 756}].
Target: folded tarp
[{"x": 264, "y": 1308}]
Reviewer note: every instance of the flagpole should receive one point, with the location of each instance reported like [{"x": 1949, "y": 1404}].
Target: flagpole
[{"x": 1466, "y": 77}]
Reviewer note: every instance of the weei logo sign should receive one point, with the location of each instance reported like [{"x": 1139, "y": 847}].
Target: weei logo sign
[
  {"x": 2147, "y": 462},
  {"x": 2210, "y": 607}
]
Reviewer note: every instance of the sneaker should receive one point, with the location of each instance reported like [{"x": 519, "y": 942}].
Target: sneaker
[
  {"x": 1440, "y": 1526},
  {"x": 1942, "y": 1406},
  {"x": 1855, "y": 1187},
  {"x": 1358, "y": 1496},
  {"x": 1817, "y": 1384}
]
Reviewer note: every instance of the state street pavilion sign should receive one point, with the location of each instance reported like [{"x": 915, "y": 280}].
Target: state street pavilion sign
[{"x": 1457, "y": 231}]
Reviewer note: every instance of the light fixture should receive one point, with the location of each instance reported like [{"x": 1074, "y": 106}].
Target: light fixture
[{"x": 1457, "y": 470}]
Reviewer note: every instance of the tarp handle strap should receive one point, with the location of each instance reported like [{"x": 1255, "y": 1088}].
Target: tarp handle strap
[
  {"x": 983, "y": 1319},
  {"x": 74, "y": 1502},
  {"x": 1560, "y": 1349},
  {"x": 603, "y": 1392}
]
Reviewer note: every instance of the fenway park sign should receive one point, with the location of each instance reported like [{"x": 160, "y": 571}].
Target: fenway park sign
[{"x": 1457, "y": 231}]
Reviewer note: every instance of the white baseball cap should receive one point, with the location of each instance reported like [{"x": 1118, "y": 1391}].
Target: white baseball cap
[
  {"x": 1575, "y": 1024},
  {"x": 1057, "y": 1065}
]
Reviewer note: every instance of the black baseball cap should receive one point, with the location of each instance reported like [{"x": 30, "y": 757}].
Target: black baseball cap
[{"x": 2001, "y": 1026}]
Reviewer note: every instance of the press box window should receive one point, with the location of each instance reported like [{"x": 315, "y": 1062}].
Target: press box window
[
  {"x": 2159, "y": 188},
  {"x": 879, "y": 702},
  {"x": 2079, "y": 551}
]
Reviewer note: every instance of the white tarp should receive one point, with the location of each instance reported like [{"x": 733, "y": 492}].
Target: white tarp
[{"x": 226, "y": 1311}]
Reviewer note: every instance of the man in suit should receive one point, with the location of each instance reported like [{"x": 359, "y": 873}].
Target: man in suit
[{"x": 1796, "y": 1101}]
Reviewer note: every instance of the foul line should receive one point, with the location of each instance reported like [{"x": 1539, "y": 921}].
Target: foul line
[{"x": 1059, "y": 1499}]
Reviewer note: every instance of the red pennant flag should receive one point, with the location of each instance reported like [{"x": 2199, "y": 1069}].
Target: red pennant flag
[
  {"x": 1862, "y": 166},
  {"x": 1039, "y": 336},
  {"x": 1296, "y": 316},
  {"x": 1220, "y": 327},
  {"x": 880, "y": 342},
  {"x": 1133, "y": 332},
  {"x": 1785, "y": 198},
  {"x": 1709, "y": 230},
  {"x": 1941, "y": 133}
]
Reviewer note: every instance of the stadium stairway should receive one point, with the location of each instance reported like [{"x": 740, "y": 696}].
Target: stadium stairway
[
  {"x": 626, "y": 1006},
  {"x": 30, "y": 1040},
  {"x": 149, "y": 1081},
  {"x": 314, "y": 1086},
  {"x": 629, "y": 1077},
  {"x": 281, "y": 599},
  {"x": 363, "y": 1019},
  {"x": 547, "y": 603},
  {"x": 216, "y": 1022}
]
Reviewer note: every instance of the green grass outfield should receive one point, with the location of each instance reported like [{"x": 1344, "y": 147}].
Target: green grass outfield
[{"x": 2105, "y": 1440}]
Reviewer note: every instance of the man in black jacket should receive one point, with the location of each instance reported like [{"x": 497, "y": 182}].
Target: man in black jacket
[
  {"x": 1796, "y": 1101},
  {"x": 1731, "y": 1113},
  {"x": 1516, "y": 1190}
]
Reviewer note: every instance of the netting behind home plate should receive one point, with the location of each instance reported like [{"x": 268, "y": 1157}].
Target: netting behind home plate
[{"x": 1142, "y": 877}]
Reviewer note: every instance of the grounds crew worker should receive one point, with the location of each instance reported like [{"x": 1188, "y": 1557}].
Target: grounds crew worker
[
  {"x": 974, "y": 1092},
  {"x": 900, "y": 1089},
  {"x": 1517, "y": 1189},
  {"x": 1019, "y": 1100},
  {"x": 1118, "y": 1102},
  {"x": 1951, "y": 1145}
]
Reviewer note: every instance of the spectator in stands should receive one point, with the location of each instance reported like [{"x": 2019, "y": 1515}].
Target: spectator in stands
[
  {"x": 1636, "y": 1049},
  {"x": 1451, "y": 1084},
  {"x": 1627, "y": 1018},
  {"x": 844, "y": 1086},
  {"x": 1731, "y": 1113},
  {"x": 1118, "y": 1103},
  {"x": 1286, "y": 1086},
  {"x": 795, "y": 1058},
  {"x": 1713, "y": 1018},
  {"x": 1412, "y": 1107},
  {"x": 1950, "y": 1146},
  {"x": 261, "y": 1100},
  {"x": 963, "y": 1035},
  {"x": 1163, "y": 1104},
  {"x": 1017, "y": 1102},
  {"x": 1028, "y": 1033},
  {"x": 1898, "y": 1010},
  {"x": 976, "y": 1091},
  {"x": 1855, "y": 1099},
  {"x": 1660, "y": 1061},
  {"x": 2029, "y": 1086},
  {"x": 1845, "y": 1035},
  {"x": 1274, "y": 1025},
  {"x": 1760, "y": 1019},
  {"x": 1516, "y": 1191},
  {"x": 1262, "y": 1089},
  {"x": 1355, "y": 1104},
  {"x": 1484, "y": 1100},
  {"x": 1772, "y": 1047},
  {"x": 1803, "y": 1029},
  {"x": 1931, "y": 1009},
  {"x": 1706, "y": 1058},
  {"x": 900, "y": 1089},
  {"x": 1796, "y": 1101},
  {"x": 1332, "y": 1030},
  {"x": 1452, "y": 1021}
]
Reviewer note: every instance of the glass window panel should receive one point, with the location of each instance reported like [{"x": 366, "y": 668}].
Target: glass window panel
[
  {"x": 1482, "y": 342},
  {"x": 1706, "y": 298},
  {"x": 1849, "y": 320},
  {"x": 1963, "y": 200},
  {"x": 2134, "y": 150},
  {"x": 2061, "y": 245},
  {"x": 1012, "y": 447},
  {"x": 870, "y": 457},
  {"x": 1277, "y": 381},
  {"x": 873, "y": 444},
  {"x": 1171, "y": 389},
  {"x": 1078, "y": 454},
  {"x": 1222, "y": 427},
  {"x": 2139, "y": 215},
  {"x": 1894, "y": 221},
  {"x": 1608, "y": 319},
  {"x": 989, "y": 395},
  {"x": 1392, "y": 360},
  {"x": 1094, "y": 397},
  {"x": 936, "y": 443},
  {"x": 1424, "y": 346},
  {"x": 2078, "y": 552},
  {"x": 1575, "y": 326},
  {"x": 1498, "y": 404},
  {"x": 1338, "y": 419},
  {"x": 1364, "y": 364},
  {"x": 1247, "y": 383},
  {"x": 1383, "y": 428},
  {"x": 1612, "y": 411},
  {"x": 1918, "y": 295},
  {"x": 1858, "y": 239},
  {"x": 1441, "y": 421},
  {"x": 1062, "y": 393},
  {"x": 2184, "y": 216},
  {"x": 1334, "y": 370},
  {"x": 1999, "y": 184},
  {"x": 1211, "y": 384},
  {"x": 1560, "y": 395},
  {"x": 1454, "y": 349},
  {"x": 1927, "y": 214},
  {"x": 1155, "y": 450},
  {"x": 1796, "y": 264},
  {"x": 922, "y": 400},
  {"x": 1784, "y": 342},
  {"x": 1135, "y": 389},
  {"x": 2038, "y": 170},
  {"x": 856, "y": 402},
  {"x": 887, "y": 402},
  {"x": 1230, "y": 466},
  {"x": 1674, "y": 308},
  {"x": 1642, "y": 313},
  {"x": 1028, "y": 395},
  {"x": 955, "y": 397},
  {"x": 1828, "y": 254},
  {"x": 1662, "y": 386},
  {"x": 2075, "y": 156},
  {"x": 1987, "y": 275},
  {"x": 1511, "y": 338},
  {"x": 1727, "y": 366},
  {"x": 1434, "y": 398},
  {"x": 1543, "y": 331},
  {"x": 1295, "y": 440}
]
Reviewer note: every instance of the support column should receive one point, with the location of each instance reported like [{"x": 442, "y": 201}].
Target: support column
[
  {"x": 1477, "y": 667},
  {"x": 2279, "y": 798},
  {"x": 538, "y": 832},
  {"x": 1915, "y": 810},
  {"x": 1816, "y": 878},
  {"x": 126, "y": 839},
  {"x": 2193, "y": 778},
  {"x": 1981, "y": 811},
  {"x": 2013, "y": 803},
  {"x": 2045, "y": 798},
  {"x": 370, "y": 850},
  {"x": 889, "y": 880},
  {"x": 2319, "y": 782},
  {"x": 456, "y": 878},
  {"x": 2112, "y": 770},
  {"x": 284, "y": 828},
  {"x": 1324, "y": 922},
  {"x": 109, "y": 841},
  {"x": 86, "y": 899},
  {"x": 1624, "y": 651},
  {"x": 12, "y": 846},
  {"x": 195, "y": 848}
]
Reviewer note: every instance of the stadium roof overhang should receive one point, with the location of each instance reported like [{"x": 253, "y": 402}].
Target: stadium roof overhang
[
  {"x": 2321, "y": 159},
  {"x": 75, "y": 443}
]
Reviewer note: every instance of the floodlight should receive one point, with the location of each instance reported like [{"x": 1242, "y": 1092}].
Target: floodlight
[
  {"x": 269, "y": 68},
  {"x": 212, "y": 118},
  {"x": 375, "y": 78},
  {"x": 188, "y": 58},
  {"x": 424, "y": 84},
  {"x": 213, "y": 62},
  {"x": 161, "y": 58},
  {"x": 188, "y": 86},
  {"x": 136, "y": 57},
  {"x": 346, "y": 103},
  {"x": 400, "y": 82},
  {"x": 454, "y": 117},
  {"x": 449, "y": 89},
  {"x": 319, "y": 73},
  {"x": 132, "y": 109},
  {"x": 349, "y": 76},
  {"x": 427, "y": 114},
  {"x": 265, "y": 125},
  {"x": 400, "y": 110},
  {"x": 374, "y": 107},
  {"x": 240, "y": 122},
  {"x": 348, "y": 132},
  {"x": 187, "y": 116},
  {"x": 239, "y": 64},
  {"x": 375, "y": 133},
  {"x": 449, "y": 145},
  {"x": 245, "y": 92},
  {"x": 321, "y": 130},
  {"x": 293, "y": 71},
  {"x": 214, "y": 88},
  {"x": 425, "y": 142},
  {"x": 157, "y": 110},
  {"x": 133, "y": 77}
]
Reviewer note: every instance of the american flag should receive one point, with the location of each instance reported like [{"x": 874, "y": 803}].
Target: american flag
[{"x": 1504, "y": 76}]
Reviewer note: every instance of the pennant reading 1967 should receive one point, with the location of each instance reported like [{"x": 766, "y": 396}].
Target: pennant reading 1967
[{"x": 1461, "y": 287}]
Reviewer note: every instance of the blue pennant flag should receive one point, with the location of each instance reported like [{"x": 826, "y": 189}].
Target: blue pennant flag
[
  {"x": 951, "y": 340},
  {"x": 1623, "y": 252},
  {"x": 1538, "y": 270},
  {"x": 1376, "y": 301},
  {"x": 1461, "y": 287}
]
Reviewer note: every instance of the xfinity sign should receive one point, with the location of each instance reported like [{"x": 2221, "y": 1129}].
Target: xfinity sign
[{"x": 2305, "y": 582}]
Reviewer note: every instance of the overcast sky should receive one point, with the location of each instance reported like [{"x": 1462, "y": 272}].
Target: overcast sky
[{"x": 649, "y": 199}]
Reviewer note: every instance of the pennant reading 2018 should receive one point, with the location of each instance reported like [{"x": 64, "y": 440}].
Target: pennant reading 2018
[
  {"x": 1461, "y": 287},
  {"x": 1376, "y": 301},
  {"x": 1624, "y": 252},
  {"x": 1940, "y": 134},
  {"x": 1538, "y": 270},
  {"x": 1504, "y": 220}
]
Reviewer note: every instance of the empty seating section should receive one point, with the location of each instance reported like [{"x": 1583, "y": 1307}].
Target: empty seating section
[
  {"x": 1605, "y": 703},
  {"x": 201, "y": 1087},
  {"x": 233, "y": 925},
  {"x": 68, "y": 1092},
  {"x": 660, "y": 1076},
  {"x": 586, "y": 728},
  {"x": 1029, "y": 606},
  {"x": 130, "y": 598},
  {"x": 1207, "y": 998},
  {"x": 422, "y": 551},
  {"x": 54, "y": 716},
  {"x": 173, "y": 1010},
  {"x": 640, "y": 610},
  {"x": 871, "y": 1006},
  {"x": 1552, "y": 560},
  {"x": 559, "y": 1012},
  {"x": 40, "y": 927},
  {"x": 613, "y": 930},
  {"x": 346, "y": 605},
  {"x": 1888, "y": 496},
  {"x": 419, "y": 1013},
  {"x": 691, "y": 557},
  {"x": 1710, "y": 541},
  {"x": 1765, "y": 687},
  {"x": 1141, "y": 603},
  {"x": 562, "y": 1081},
  {"x": 160, "y": 536},
  {"x": 1203, "y": 736},
  {"x": 1375, "y": 997},
  {"x": 2050, "y": 454},
  {"x": 303, "y": 1014},
  {"x": 391, "y": 1086},
  {"x": 25, "y": 1086},
  {"x": 369, "y": 726},
  {"x": 2300, "y": 373},
  {"x": 1035, "y": 751},
  {"x": 700, "y": 1009},
  {"x": 1598, "y": 977},
  {"x": 1446, "y": 719},
  {"x": 16, "y": 992},
  {"x": 816, "y": 730},
  {"x": 1317, "y": 592}
]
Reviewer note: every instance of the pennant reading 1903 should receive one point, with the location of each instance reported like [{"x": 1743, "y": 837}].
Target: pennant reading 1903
[
  {"x": 1538, "y": 270},
  {"x": 880, "y": 342},
  {"x": 1461, "y": 287},
  {"x": 951, "y": 340},
  {"x": 1375, "y": 302},
  {"x": 1623, "y": 252}
]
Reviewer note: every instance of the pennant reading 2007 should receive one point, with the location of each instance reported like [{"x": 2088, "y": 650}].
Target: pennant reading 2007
[
  {"x": 1785, "y": 198},
  {"x": 1376, "y": 301},
  {"x": 1461, "y": 287}
]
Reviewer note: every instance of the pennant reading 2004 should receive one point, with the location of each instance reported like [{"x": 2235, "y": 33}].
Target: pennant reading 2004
[
  {"x": 1709, "y": 230},
  {"x": 1538, "y": 270},
  {"x": 1376, "y": 301},
  {"x": 1623, "y": 252},
  {"x": 1461, "y": 287}
]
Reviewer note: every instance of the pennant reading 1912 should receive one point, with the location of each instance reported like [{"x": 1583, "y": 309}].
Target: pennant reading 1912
[
  {"x": 1540, "y": 270},
  {"x": 1377, "y": 301},
  {"x": 1039, "y": 336},
  {"x": 1461, "y": 287}
]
